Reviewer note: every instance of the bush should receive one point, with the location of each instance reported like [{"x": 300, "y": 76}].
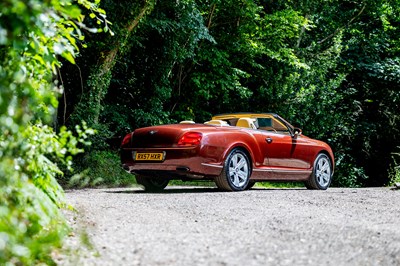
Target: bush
[
  {"x": 31, "y": 224},
  {"x": 394, "y": 172},
  {"x": 34, "y": 34},
  {"x": 104, "y": 169}
]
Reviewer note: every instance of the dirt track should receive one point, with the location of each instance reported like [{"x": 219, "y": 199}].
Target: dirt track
[{"x": 202, "y": 226}]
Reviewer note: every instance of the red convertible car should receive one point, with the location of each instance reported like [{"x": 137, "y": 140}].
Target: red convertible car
[{"x": 234, "y": 150}]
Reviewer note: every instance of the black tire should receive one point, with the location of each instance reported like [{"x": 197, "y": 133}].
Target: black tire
[
  {"x": 250, "y": 185},
  {"x": 321, "y": 176},
  {"x": 152, "y": 184},
  {"x": 236, "y": 172}
]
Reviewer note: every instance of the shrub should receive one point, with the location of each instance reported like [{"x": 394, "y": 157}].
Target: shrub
[
  {"x": 104, "y": 169},
  {"x": 31, "y": 224},
  {"x": 394, "y": 172},
  {"x": 34, "y": 34}
]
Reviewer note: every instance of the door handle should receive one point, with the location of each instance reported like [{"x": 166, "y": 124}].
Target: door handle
[{"x": 269, "y": 140}]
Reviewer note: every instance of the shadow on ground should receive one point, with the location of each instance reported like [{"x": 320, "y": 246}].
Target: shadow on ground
[{"x": 194, "y": 190}]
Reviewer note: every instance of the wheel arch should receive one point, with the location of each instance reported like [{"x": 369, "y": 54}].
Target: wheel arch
[
  {"x": 330, "y": 156},
  {"x": 243, "y": 147},
  {"x": 238, "y": 139},
  {"x": 225, "y": 180}
]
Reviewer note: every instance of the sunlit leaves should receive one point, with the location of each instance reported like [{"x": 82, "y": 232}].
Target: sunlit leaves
[
  {"x": 34, "y": 35},
  {"x": 276, "y": 35}
]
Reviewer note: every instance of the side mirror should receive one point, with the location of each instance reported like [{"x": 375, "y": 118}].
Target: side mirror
[{"x": 296, "y": 132}]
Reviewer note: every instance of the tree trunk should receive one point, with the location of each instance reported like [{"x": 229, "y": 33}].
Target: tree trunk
[{"x": 101, "y": 76}]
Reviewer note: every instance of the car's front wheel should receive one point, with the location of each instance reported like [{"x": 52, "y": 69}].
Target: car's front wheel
[
  {"x": 151, "y": 184},
  {"x": 321, "y": 176},
  {"x": 236, "y": 172}
]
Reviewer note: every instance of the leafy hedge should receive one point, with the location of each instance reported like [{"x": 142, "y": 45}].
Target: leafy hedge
[
  {"x": 31, "y": 223},
  {"x": 34, "y": 34}
]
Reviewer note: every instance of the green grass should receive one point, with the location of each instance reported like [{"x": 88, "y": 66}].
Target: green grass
[
  {"x": 280, "y": 184},
  {"x": 196, "y": 183}
]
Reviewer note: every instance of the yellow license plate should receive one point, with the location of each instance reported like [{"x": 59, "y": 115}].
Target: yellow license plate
[{"x": 149, "y": 156}]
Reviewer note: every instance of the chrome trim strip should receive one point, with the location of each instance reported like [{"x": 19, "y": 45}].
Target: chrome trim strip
[{"x": 212, "y": 165}]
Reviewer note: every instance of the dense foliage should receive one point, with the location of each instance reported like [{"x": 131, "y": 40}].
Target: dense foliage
[
  {"x": 34, "y": 34},
  {"x": 330, "y": 67}
]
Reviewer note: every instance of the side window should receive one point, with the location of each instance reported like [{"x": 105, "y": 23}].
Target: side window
[
  {"x": 271, "y": 124},
  {"x": 264, "y": 122},
  {"x": 278, "y": 126}
]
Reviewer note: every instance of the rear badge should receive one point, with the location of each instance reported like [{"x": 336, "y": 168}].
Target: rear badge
[{"x": 152, "y": 132}]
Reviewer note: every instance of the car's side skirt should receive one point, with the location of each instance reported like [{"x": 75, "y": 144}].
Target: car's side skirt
[
  {"x": 281, "y": 174},
  {"x": 212, "y": 165}
]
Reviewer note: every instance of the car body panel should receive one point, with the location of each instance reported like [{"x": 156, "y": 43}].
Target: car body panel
[{"x": 277, "y": 154}]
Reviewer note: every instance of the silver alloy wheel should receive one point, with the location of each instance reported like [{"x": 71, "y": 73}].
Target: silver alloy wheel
[
  {"x": 238, "y": 170},
  {"x": 323, "y": 172}
]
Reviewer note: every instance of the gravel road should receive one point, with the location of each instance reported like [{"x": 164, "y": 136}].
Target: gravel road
[{"x": 202, "y": 226}]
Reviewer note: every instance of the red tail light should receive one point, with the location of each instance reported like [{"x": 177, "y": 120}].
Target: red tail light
[
  {"x": 126, "y": 139},
  {"x": 190, "y": 139}
]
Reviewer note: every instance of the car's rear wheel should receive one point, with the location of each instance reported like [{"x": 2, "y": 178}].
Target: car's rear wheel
[
  {"x": 321, "y": 176},
  {"x": 236, "y": 172},
  {"x": 152, "y": 184}
]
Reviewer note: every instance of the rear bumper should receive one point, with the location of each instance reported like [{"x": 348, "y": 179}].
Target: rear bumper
[{"x": 184, "y": 162}]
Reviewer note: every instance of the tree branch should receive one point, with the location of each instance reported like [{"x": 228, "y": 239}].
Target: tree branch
[
  {"x": 64, "y": 96},
  {"x": 303, "y": 29},
  {"x": 211, "y": 15},
  {"x": 341, "y": 28}
]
